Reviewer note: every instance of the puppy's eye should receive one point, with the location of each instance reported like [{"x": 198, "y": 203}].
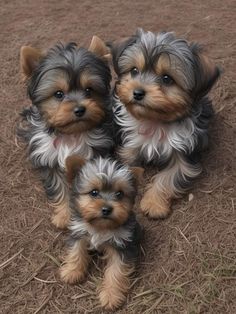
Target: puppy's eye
[
  {"x": 134, "y": 71},
  {"x": 59, "y": 94},
  {"x": 94, "y": 193},
  {"x": 167, "y": 80},
  {"x": 119, "y": 195},
  {"x": 88, "y": 91}
]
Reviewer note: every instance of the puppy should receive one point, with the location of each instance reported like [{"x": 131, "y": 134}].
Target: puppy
[
  {"x": 162, "y": 111},
  {"x": 102, "y": 199},
  {"x": 69, "y": 88}
]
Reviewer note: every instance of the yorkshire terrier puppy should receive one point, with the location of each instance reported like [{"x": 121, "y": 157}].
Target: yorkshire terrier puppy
[
  {"x": 69, "y": 88},
  {"x": 162, "y": 110},
  {"x": 102, "y": 198}
]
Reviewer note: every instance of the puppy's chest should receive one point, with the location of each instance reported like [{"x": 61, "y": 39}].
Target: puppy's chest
[
  {"x": 153, "y": 140},
  {"x": 98, "y": 239},
  {"x": 49, "y": 150}
]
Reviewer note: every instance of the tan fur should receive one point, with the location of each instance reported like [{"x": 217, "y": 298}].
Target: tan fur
[
  {"x": 157, "y": 199},
  {"x": 155, "y": 203},
  {"x": 98, "y": 47},
  {"x": 160, "y": 103},
  {"x": 76, "y": 263},
  {"x": 90, "y": 210},
  {"x": 59, "y": 82},
  {"x": 136, "y": 61},
  {"x": 61, "y": 216},
  {"x": 116, "y": 282},
  {"x": 137, "y": 173},
  {"x": 123, "y": 186},
  {"x": 128, "y": 154},
  {"x": 170, "y": 65},
  {"x": 61, "y": 115},
  {"x": 29, "y": 59},
  {"x": 73, "y": 164},
  {"x": 140, "y": 61}
]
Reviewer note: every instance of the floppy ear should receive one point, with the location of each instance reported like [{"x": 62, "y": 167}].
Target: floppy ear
[
  {"x": 206, "y": 72},
  {"x": 29, "y": 60},
  {"x": 117, "y": 48},
  {"x": 73, "y": 165},
  {"x": 98, "y": 47},
  {"x": 137, "y": 174}
]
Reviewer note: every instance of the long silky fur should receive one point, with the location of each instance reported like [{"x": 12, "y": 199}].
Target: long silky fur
[
  {"x": 172, "y": 145},
  {"x": 48, "y": 149},
  {"x": 187, "y": 136}
]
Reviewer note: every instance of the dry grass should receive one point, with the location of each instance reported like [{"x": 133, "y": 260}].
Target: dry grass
[{"x": 189, "y": 260}]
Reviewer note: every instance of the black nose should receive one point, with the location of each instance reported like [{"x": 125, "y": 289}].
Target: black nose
[
  {"x": 106, "y": 211},
  {"x": 79, "y": 111},
  {"x": 138, "y": 94}
]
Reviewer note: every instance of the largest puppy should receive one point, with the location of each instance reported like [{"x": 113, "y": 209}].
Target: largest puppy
[
  {"x": 70, "y": 92},
  {"x": 162, "y": 110}
]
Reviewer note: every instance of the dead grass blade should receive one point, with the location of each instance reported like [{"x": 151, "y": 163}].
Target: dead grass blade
[
  {"x": 46, "y": 300},
  {"x": 53, "y": 259},
  {"x": 4, "y": 264}
]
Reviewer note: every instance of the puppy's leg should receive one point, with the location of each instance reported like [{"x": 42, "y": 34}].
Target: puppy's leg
[
  {"x": 167, "y": 184},
  {"x": 116, "y": 282},
  {"x": 76, "y": 263},
  {"x": 57, "y": 191}
]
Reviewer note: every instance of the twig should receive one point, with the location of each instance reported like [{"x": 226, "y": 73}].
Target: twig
[
  {"x": 11, "y": 258},
  {"x": 45, "y": 281},
  {"x": 44, "y": 303}
]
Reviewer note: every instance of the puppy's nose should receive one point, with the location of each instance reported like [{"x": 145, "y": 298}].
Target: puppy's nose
[
  {"x": 138, "y": 94},
  {"x": 106, "y": 211},
  {"x": 79, "y": 111}
]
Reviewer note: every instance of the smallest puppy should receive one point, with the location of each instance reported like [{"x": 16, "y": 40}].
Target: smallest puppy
[{"x": 102, "y": 197}]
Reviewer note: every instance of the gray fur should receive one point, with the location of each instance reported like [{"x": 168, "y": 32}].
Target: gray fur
[{"x": 175, "y": 145}]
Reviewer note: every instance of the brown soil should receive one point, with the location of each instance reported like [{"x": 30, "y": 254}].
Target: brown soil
[{"x": 189, "y": 264}]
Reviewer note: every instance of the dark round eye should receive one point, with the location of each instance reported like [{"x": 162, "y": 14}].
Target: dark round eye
[
  {"x": 59, "y": 94},
  {"x": 167, "y": 80},
  {"x": 119, "y": 195},
  {"x": 134, "y": 71},
  {"x": 94, "y": 193},
  {"x": 88, "y": 91}
]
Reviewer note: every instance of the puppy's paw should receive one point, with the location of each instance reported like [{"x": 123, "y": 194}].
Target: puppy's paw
[
  {"x": 69, "y": 274},
  {"x": 111, "y": 298},
  {"x": 61, "y": 219},
  {"x": 153, "y": 206}
]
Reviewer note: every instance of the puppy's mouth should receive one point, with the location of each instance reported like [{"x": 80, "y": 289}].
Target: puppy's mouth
[
  {"x": 100, "y": 218},
  {"x": 138, "y": 103},
  {"x": 69, "y": 123},
  {"x": 142, "y": 105}
]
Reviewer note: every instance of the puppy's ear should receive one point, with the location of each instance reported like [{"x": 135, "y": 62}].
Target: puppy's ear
[
  {"x": 73, "y": 165},
  {"x": 29, "y": 60},
  {"x": 118, "y": 47},
  {"x": 137, "y": 174},
  {"x": 206, "y": 72},
  {"x": 98, "y": 47}
]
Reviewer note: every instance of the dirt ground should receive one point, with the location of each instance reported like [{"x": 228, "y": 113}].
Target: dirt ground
[{"x": 189, "y": 265}]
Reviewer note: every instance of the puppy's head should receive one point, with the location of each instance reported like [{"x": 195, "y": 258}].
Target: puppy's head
[
  {"x": 103, "y": 191},
  {"x": 160, "y": 77},
  {"x": 69, "y": 85}
]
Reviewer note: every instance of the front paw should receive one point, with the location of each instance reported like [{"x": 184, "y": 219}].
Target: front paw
[
  {"x": 155, "y": 206},
  {"x": 61, "y": 219},
  {"x": 111, "y": 298},
  {"x": 69, "y": 274}
]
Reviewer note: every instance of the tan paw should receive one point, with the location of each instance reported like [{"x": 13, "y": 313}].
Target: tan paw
[
  {"x": 61, "y": 219},
  {"x": 71, "y": 275},
  {"x": 111, "y": 299},
  {"x": 153, "y": 206}
]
